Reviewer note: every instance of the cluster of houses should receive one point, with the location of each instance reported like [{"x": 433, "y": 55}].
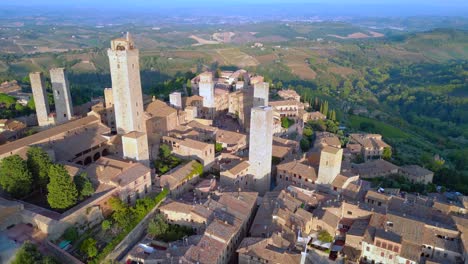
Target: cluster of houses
[{"x": 258, "y": 199}]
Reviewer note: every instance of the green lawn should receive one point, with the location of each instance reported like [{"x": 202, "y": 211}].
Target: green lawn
[{"x": 386, "y": 130}]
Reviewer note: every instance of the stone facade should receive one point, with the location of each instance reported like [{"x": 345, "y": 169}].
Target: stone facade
[
  {"x": 261, "y": 92},
  {"x": 126, "y": 85},
  {"x": 62, "y": 97},
  {"x": 175, "y": 99},
  {"x": 260, "y": 147},
  {"x": 330, "y": 164},
  {"x": 40, "y": 99}
]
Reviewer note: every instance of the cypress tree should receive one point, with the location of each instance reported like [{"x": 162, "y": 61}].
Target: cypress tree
[{"x": 62, "y": 192}]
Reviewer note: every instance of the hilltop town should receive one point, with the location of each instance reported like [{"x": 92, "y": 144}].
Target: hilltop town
[{"x": 226, "y": 171}]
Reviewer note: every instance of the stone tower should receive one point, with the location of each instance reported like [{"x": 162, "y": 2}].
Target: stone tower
[
  {"x": 108, "y": 98},
  {"x": 127, "y": 98},
  {"x": 330, "y": 164},
  {"x": 62, "y": 97},
  {"x": 175, "y": 99},
  {"x": 260, "y": 147},
  {"x": 206, "y": 89},
  {"x": 126, "y": 85},
  {"x": 260, "y": 94},
  {"x": 40, "y": 99}
]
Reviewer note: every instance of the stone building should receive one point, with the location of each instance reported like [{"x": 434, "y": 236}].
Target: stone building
[
  {"x": 372, "y": 145},
  {"x": 236, "y": 175},
  {"x": 40, "y": 99},
  {"x": 206, "y": 89},
  {"x": 175, "y": 100},
  {"x": 192, "y": 149},
  {"x": 275, "y": 249},
  {"x": 296, "y": 173},
  {"x": 62, "y": 97},
  {"x": 179, "y": 180},
  {"x": 131, "y": 179},
  {"x": 289, "y": 94},
  {"x": 80, "y": 141},
  {"x": 261, "y": 92},
  {"x": 417, "y": 174},
  {"x": 127, "y": 97},
  {"x": 231, "y": 141},
  {"x": 330, "y": 164},
  {"x": 126, "y": 85},
  {"x": 260, "y": 147}
]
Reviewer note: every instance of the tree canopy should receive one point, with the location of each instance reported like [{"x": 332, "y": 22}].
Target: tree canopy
[
  {"x": 38, "y": 164},
  {"x": 88, "y": 247},
  {"x": 83, "y": 185},
  {"x": 62, "y": 192},
  {"x": 15, "y": 178}
]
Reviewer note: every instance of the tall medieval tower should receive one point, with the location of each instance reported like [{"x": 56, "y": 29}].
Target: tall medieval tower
[
  {"x": 126, "y": 85},
  {"x": 260, "y": 147},
  {"x": 128, "y": 98},
  {"x": 62, "y": 96},
  {"x": 40, "y": 99}
]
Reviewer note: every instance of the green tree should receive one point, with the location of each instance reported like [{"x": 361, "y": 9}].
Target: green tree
[
  {"x": 157, "y": 226},
  {"x": 106, "y": 225},
  {"x": 218, "y": 147},
  {"x": 71, "y": 234},
  {"x": 387, "y": 153},
  {"x": 308, "y": 132},
  {"x": 324, "y": 236},
  {"x": 38, "y": 164},
  {"x": 28, "y": 253},
  {"x": 286, "y": 122},
  {"x": 305, "y": 144},
  {"x": 164, "y": 151},
  {"x": 15, "y": 178},
  {"x": 62, "y": 192},
  {"x": 84, "y": 186},
  {"x": 89, "y": 247}
]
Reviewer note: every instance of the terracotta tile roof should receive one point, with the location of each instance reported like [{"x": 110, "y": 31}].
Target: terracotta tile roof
[
  {"x": 374, "y": 167},
  {"x": 284, "y": 103},
  {"x": 229, "y": 137},
  {"x": 51, "y": 133},
  {"x": 369, "y": 141},
  {"x": 112, "y": 171},
  {"x": 331, "y": 150},
  {"x": 207, "y": 251},
  {"x": 273, "y": 249},
  {"x": 158, "y": 108},
  {"x": 177, "y": 175},
  {"x": 280, "y": 151},
  {"x": 415, "y": 170},
  {"x": 411, "y": 251},
  {"x": 239, "y": 167},
  {"x": 296, "y": 167}
]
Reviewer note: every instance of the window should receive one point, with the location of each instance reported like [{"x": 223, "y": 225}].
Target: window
[
  {"x": 445, "y": 255},
  {"x": 350, "y": 213},
  {"x": 390, "y": 256},
  {"x": 390, "y": 247},
  {"x": 396, "y": 249},
  {"x": 382, "y": 254},
  {"x": 377, "y": 243},
  {"x": 384, "y": 245},
  {"x": 367, "y": 248}
]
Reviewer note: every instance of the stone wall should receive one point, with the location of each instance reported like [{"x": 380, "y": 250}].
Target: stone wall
[
  {"x": 133, "y": 237},
  {"x": 61, "y": 255}
]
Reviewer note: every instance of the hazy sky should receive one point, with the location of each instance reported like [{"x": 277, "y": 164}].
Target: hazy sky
[{"x": 355, "y": 7}]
